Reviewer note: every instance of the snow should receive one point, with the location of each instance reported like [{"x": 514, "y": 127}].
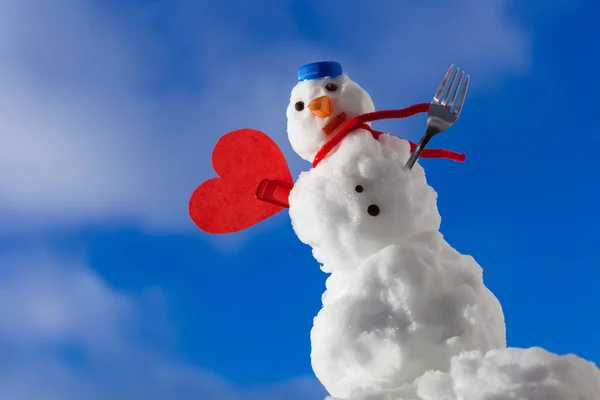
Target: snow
[
  {"x": 400, "y": 300},
  {"x": 305, "y": 131},
  {"x": 330, "y": 216},
  {"x": 405, "y": 316},
  {"x": 511, "y": 374}
]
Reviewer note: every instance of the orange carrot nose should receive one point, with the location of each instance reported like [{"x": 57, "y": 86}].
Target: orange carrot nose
[{"x": 320, "y": 107}]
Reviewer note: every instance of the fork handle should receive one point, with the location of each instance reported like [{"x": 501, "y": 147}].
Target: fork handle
[{"x": 429, "y": 134}]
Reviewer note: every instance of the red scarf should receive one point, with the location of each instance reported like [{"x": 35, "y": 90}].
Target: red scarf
[{"x": 360, "y": 122}]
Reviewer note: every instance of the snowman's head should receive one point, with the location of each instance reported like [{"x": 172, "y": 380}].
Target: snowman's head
[
  {"x": 360, "y": 200},
  {"x": 319, "y": 105}
]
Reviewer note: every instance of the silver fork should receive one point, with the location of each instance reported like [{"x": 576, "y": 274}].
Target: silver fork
[{"x": 442, "y": 114}]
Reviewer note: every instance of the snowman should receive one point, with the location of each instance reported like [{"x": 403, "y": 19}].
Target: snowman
[
  {"x": 399, "y": 299},
  {"x": 404, "y": 316}
]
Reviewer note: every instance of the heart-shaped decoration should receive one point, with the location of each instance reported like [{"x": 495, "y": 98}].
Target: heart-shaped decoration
[{"x": 254, "y": 183}]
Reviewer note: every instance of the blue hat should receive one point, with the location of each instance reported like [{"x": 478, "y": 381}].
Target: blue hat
[{"x": 319, "y": 70}]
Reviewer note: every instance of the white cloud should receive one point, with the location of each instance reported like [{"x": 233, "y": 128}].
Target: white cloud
[
  {"x": 65, "y": 334},
  {"x": 43, "y": 301},
  {"x": 103, "y": 120}
]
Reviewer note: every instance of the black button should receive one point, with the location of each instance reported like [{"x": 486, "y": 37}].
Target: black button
[{"x": 373, "y": 210}]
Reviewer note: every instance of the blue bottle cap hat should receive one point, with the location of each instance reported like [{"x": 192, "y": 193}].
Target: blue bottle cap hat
[{"x": 319, "y": 70}]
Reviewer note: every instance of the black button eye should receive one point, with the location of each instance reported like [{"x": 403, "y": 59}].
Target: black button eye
[
  {"x": 332, "y": 87},
  {"x": 299, "y": 106},
  {"x": 359, "y": 189}
]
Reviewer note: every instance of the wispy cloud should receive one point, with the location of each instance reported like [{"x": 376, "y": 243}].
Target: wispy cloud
[
  {"x": 110, "y": 115},
  {"x": 66, "y": 334}
]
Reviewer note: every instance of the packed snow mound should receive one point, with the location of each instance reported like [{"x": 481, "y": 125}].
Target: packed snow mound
[
  {"x": 329, "y": 205},
  {"x": 409, "y": 308},
  {"x": 513, "y": 374},
  {"x": 305, "y": 131}
]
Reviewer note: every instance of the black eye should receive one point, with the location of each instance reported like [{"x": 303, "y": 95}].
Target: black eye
[
  {"x": 332, "y": 87},
  {"x": 299, "y": 106},
  {"x": 359, "y": 188}
]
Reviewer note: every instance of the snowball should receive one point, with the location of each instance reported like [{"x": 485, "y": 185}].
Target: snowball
[
  {"x": 400, "y": 300},
  {"x": 332, "y": 217},
  {"x": 305, "y": 131},
  {"x": 513, "y": 374}
]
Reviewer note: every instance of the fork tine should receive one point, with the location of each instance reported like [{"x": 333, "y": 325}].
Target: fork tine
[
  {"x": 455, "y": 93},
  {"x": 463, "y": 94},
  {"x": 440, "y": 90},
  {"x": 450, "y": 86}
]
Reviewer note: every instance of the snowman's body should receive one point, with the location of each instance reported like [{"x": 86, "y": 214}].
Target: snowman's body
[{"x": 400, "y": 300}]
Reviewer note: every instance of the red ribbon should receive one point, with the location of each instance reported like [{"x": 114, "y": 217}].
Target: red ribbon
[{"x": 360, "y": 122}]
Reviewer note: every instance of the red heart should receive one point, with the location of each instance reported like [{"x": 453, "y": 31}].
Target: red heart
[{"x": 251, "y": 167}]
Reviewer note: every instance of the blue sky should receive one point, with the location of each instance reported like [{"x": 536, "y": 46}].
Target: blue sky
[{"x": 108, "y": 114}]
